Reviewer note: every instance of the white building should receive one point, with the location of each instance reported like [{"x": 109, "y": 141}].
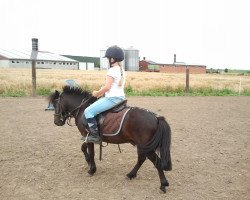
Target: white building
[
  {"x": 86, "y": 66},
  {"x": 44, "y": 60},
  {"x": 86, "y": 62}
]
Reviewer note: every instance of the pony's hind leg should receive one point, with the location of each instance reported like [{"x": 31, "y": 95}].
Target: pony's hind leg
[
  {"x": 140, "y": 161},
  {"x": 152, "y": 156}
]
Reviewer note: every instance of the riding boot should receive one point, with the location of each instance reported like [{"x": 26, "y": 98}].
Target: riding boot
[{"x": 93, "y": 131}]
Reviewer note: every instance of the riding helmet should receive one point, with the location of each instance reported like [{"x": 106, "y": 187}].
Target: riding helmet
[{"x": 115, "y": 52}]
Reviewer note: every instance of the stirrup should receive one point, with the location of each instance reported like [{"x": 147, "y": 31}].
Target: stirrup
[
  {"x": 93, "y": 139},
  {"x": 85, "y": 139}
]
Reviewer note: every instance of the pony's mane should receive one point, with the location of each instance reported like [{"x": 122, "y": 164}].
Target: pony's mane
[
  {"x": 76, "y": 91},
  {"x": 71, "y": 91}
]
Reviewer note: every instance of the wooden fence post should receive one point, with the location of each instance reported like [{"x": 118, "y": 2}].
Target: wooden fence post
[
  {"x": 187, "y": 80},
  {"x": 33, "y": 60}
]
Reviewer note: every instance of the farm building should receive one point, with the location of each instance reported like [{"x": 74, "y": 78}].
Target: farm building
[
  {"x": 86, "y": 63},
  {"x": 176, "y": 67},
  {"x": 44, "y": 60},
  {"x": 148, "y": 66}
]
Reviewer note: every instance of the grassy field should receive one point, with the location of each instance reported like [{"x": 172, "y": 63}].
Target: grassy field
[{"x": 18, "y": 82}]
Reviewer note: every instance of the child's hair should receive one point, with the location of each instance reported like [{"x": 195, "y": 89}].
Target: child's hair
[{"x": 123, "y": 77}]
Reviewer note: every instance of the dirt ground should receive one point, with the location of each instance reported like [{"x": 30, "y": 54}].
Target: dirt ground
[{"x": 210, "y": 153}]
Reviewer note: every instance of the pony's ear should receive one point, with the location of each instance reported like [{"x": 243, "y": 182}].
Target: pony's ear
[
  {"x": 53, "y": 96},
  {"x": 57, "y": 94}
]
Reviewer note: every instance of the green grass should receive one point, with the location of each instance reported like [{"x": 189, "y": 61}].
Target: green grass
[
  {"x": 161, "y": 91},
  {"x": 43, "y": 91},
  {"x": 13, "y": 94},
  {"x": 212, "y": 92},
  {"x": 181, "y": 92},
  {"x": 239, "y": 71}
]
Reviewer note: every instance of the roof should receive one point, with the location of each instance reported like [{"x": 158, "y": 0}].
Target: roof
[
  {"x": 86, "y": 59},
  {"x": 176, "y": 63},
  {"x": 179, "y": 63},
  {"x": 26, "y": 55},
  {"x": 150, "y": 62},
  {"x": 131, "y": 48}
]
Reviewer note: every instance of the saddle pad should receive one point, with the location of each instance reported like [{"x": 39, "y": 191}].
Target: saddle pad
[{"x": 112, "y": 123}]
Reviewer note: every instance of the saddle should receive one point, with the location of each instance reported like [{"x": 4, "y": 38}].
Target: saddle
[{"x": 110, "y": 121}]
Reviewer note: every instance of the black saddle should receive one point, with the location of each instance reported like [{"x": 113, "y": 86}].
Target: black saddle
[{"x": 119, "y": 107}]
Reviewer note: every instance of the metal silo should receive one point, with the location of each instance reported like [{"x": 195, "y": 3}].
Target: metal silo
[
  {"x": 103, "y": 61},
  {"x": 104, "y": 64},
  {"x": 131, "y": 59}
]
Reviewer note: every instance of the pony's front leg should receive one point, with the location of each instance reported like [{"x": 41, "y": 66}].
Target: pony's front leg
[
  {"x": 91, "y": 152},
  {"x": 85, "y": 152}
]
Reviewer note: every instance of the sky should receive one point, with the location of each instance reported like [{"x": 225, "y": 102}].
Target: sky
[{"x": 215, "y": 33}]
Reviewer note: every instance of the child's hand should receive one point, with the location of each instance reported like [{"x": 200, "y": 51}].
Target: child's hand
[{"x": 95, "y": 93}]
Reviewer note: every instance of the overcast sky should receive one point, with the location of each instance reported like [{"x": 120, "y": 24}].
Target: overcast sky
[{"x": 215, "y": 33}]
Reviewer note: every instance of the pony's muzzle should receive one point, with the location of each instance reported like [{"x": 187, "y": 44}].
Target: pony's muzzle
[{"x": 59, "y": 123}]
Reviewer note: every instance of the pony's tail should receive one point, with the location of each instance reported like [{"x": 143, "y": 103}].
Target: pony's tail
[
  {"x": 164, "y": 145},
  {"x": 161, "y": 141}
]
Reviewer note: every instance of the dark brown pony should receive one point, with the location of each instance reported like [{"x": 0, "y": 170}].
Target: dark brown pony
[{"x": 140, "y": 127}]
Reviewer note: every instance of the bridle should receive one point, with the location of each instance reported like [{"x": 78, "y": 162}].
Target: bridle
[
  {"x": 66, "y": 116},
  {"x": 59, "y": 112}
]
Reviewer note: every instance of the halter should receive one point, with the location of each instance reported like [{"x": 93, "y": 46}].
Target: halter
[{"x": 60, "y": 109}]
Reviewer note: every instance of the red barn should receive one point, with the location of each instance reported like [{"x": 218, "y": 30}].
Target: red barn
[{"x": 150, "y": 66}]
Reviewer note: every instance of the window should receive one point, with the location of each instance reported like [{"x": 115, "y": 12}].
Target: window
[{"x": 13, "y": 61}]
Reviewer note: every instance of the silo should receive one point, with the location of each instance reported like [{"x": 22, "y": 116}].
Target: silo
[
  {"x": 131, "y": 59},
  {"x": 103, "y": 61},
  {"x": 104, "y": 64}
]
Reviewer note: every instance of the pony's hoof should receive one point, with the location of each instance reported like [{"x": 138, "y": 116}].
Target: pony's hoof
[
  {"x": 131, "y": 176},
  {"x": 92, "y": 171},
  {"x": 89, "y": 175},
  {"x": 166, "y": 183},
  {"x": 163, "y": 189}
]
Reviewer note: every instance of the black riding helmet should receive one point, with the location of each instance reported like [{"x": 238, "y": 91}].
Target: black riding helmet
[{"x": 115, "y": 52}]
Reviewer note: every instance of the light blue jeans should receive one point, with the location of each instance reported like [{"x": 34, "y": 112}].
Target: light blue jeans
[{"x": 101, "y": 105}]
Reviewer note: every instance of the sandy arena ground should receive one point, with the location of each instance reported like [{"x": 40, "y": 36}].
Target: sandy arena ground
[{"x": 210, "y": 153}]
